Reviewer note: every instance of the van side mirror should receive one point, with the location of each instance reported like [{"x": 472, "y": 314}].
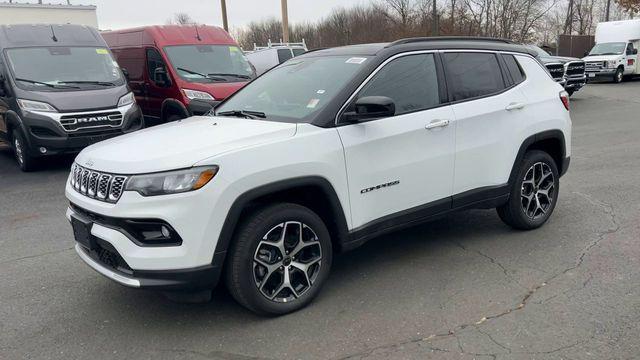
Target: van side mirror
[
  {"x": 635, "y": 51},
  {"x": 586, "y": 53},
  {"x": 125, "y": 72},
  {"x": 161, "y": 78},
  {"x": 370, "y": 107},
  {"x": 3, "y": 92}
]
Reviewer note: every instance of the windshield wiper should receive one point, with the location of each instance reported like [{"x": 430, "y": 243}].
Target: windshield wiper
[
  {"x": 243, "y": 113},
  {"x": 90, "y": 82},
  {"x": 55, "y": 86},
  {"x": 241, "y": 76},
  {"x": 210, "y": 77}
]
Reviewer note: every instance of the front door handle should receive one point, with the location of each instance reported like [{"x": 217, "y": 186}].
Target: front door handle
[
  {"x": 436, "y": 124},
  {"x": 514, "y": 106}
]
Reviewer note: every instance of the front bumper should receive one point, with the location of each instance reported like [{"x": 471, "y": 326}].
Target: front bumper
[
  {"x": 575, "y": 83},
  {"x": 44, "y": 132},
  {"x": 201, "y": 107},
  {"x": 600, "y": 73}
]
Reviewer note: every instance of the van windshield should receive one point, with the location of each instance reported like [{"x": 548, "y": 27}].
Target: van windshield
[
  {"x": 295, "y": 90},
  {"x": 64, "y": 68},
  {"x": 210, "y": 63},
  {"x": 614, "y": 48}
]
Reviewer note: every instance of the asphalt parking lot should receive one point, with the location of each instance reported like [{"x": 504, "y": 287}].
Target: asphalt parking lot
[{"x": 463, "y": 287}]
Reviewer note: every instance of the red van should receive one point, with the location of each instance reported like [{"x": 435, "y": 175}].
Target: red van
[{"x": 177, "y": 71}]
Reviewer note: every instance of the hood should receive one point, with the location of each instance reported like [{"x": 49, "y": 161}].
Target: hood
[
  {"x": 557, "y": 59},
  {"x": 218, "y": 90},
  {"x": 601, "y": 57},
  {"x": 180, "y": 144},
  {"x": 78, "y": 100}
]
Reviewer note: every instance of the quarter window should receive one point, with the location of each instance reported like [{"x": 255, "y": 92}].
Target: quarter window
[
  {"x": 284, "y": 55},
  {"x": 471, "y": 75},
  {"x": 514, "y": 69},
  {"x": 410, "y": 81}
]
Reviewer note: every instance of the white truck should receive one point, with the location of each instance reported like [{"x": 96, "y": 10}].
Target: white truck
[
  {"x": 263, "y": 58},
  {"x": 615, "y": 55}
]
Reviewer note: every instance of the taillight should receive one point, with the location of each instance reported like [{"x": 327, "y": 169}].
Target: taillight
[{"x": 564, "y": 97}]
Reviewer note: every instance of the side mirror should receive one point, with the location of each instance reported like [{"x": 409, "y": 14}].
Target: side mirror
[
  {"x": 371, "y": 107},
  {"x": 586, "y": 53},
  {"x": 635, "y": 51},
  {"x": 161, "y": 78},
  {"x": 125, "y": 72}
]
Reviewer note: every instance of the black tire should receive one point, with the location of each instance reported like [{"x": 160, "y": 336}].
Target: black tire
[
  {"x": 25, "y": 161},
  {"x": 618, "y": 77},
  {"x": 513, "y": 213},
  {"x": 242, "y": 270}
]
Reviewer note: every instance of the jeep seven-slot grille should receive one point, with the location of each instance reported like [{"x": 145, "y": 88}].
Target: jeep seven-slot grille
[
  {"x": 97, "y": 185},
  {"x": 556, "y": 71},
  {"x": 90, "y": 121},
  {"x": 575, "y": 68}
]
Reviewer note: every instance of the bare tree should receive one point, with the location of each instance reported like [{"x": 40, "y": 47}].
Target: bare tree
[{"x": 181, "y": 19}]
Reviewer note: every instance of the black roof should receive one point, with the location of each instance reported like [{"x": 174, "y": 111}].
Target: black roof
[
  {"x": 49, "y": 35},
  {"x": 428, "y": 43}
]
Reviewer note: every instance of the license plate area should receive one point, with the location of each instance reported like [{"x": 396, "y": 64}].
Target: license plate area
[
  {"x": 82, "y": 232},
  {"x": 592, "y": 75}
]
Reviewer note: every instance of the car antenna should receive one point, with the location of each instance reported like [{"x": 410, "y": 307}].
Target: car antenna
[
  {"x": 197, "y": 33},
  {"x": 53, "y": 34}
]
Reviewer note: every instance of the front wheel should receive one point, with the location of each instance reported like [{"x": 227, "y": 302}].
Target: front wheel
[
  {"x": 533, "y": 194},
  {"x": 618, "y": 76},
  {"x": 279, "y": 260},
  {"x": 25, "y": 161}
]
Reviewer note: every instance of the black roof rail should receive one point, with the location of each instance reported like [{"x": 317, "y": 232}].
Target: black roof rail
[{"x": 449, "y": 38}]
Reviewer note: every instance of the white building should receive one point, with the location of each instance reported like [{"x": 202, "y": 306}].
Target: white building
[{"x": 20, "y": 13}]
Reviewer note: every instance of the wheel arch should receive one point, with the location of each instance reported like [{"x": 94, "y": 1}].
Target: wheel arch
[
  {"x": 171, "y": 107},
  {"x": 13, "y": 121},
  {"x": 551, "y": 142},
  {"x": 313, "y": 192}
]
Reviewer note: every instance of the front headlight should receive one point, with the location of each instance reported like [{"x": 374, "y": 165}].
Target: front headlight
[
  {"x": 126, "y": 100},
  {"x": 30, "y": 105},
  {"x": 611, "y": 64},
  {"x": 197, "y": 95},
  {"x": 171, "y": 182}
]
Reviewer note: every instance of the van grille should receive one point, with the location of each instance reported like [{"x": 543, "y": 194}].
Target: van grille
[
  {"x": 97, "y": 185},
  {"x": 90, "y": 121},
  {"x": 594, "y": 66}
]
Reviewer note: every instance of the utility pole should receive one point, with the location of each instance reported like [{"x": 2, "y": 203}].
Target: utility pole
[
  {"x": 435, "y": 27},
  {"x": 606, "y": 16},
  {"x": 225, "y": 23},
  {"x": 285, "y": 21}
]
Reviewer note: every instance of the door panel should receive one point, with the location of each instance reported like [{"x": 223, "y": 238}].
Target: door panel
[{"x": 400, "y": 162}]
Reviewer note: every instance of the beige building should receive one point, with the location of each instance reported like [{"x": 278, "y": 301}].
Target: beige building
[{"x": 17, "y": 13}]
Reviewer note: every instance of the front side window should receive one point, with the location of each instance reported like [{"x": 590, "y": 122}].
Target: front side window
[
  {"x": 298, "y": 52},
  {"x": 64, "y": 68},
  {"x": 471, "y": 75},
  {"x": 614, "y": 48},
  {"x": 410, "y": 81},
  {"x": 210, "y": 63},
  {"x": 156, "y": 67},
  {"x": 296, "y": 90}
]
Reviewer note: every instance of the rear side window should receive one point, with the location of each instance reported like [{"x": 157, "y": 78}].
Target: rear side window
[
  {"x": 410, "y": 81},
  {"x": 298, "y": 52},
  {"x": 514, "y": 68},
  {"x": 471, "y": 75},
  {"x": 284, "y": 55}
]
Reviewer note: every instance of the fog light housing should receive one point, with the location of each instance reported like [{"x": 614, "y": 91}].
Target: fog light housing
[
  {"x": 43, "y": 150},
  {"x": 152, "y": 233}
]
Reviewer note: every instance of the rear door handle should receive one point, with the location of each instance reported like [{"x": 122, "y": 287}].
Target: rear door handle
[
  {"x": 514, "y": 106},
  {"x": 436, "y": 124}
]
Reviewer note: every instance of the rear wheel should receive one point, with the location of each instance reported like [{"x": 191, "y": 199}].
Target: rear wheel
[
  {"x": 279, "y": 260},
  {"x": 534, "y": 193},
  {"x": 25, "y": 161},
  {"x": 618, "y": 76}
]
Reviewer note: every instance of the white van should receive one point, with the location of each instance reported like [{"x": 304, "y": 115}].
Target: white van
[
  {"x": 615, "y": 54},
  {"x": 263, "y": 58}
]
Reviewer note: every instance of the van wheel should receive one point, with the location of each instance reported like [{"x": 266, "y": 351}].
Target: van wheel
[
  {"x": 619, "y": 76},
  {"x": 25, "y": 161},
  {"x": 279, "y": 260},
  {"x": 534, "y": 194}
]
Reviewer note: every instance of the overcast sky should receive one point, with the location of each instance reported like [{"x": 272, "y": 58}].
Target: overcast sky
[{"x": 114, "y": 14}]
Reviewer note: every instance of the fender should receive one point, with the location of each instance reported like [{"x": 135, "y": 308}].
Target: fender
[
  {"x": 13, "y": 120},
  {"x": 549, "y": 134},
  {"x": 233, "y": 216},
  {"x": 174, "y": 104}
]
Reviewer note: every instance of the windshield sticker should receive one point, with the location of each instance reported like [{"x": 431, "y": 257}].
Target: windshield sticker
[
  {"x": 320, "y": 92},
  {"x": 313, "y": 103},
  {"x": 356, "y": 60},
  {"x": 102, "y": 51}
]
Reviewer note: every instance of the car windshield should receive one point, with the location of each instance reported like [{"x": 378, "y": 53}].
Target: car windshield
[
  {"x": 615, "y": 48},
  {"x": 295, "y": 90},
  {"x": 210, "y": 63},
  {"x": 64, "y": 68}
]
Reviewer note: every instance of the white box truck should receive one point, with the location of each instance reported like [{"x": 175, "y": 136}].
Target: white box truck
[{"x": 615, "y": 55}]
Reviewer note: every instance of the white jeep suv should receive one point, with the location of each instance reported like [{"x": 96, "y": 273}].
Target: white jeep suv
[{"x": 317, "y": 156}]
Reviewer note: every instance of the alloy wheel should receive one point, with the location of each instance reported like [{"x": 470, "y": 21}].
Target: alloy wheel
[
  {"x": 17, "y": 145},
  {"x": 538, "y": 190},
  {"x": 287, "y": 261}
]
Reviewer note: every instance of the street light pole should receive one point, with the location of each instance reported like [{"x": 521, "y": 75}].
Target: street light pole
[
  {"x": 435, "y": 27},
  {"x": 225, "y": 23},
  {"x": 285, "y": 21}
]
